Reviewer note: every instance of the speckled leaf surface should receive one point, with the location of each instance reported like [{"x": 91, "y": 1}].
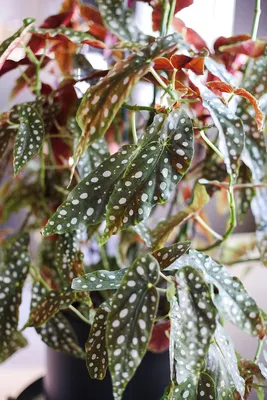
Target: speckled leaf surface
[
  {"x": 256, "y": 81},
  {"x": 193, "y": 323},
  {"x": 68, "y": 260},
  {"x": 244, "y": 197},
  {"x": 144, "y": 232},
  {"x": 163, "y": 230},
  {"x": 14, "y": 270},
  {"x": 167, "y": 255},
  {"x": 99, "y": 280},
  {"x": 96, "y": 350},
  {"x": 12, "y": 42},
  {"x": 93, "y": 156},
  {"x": 165, "y": 154},
  {"x": 7, "y": 133},
  {"x": 86, "y": 204},
  {"x": 230, "y": 127},
  {"x": 102, "y": 101},
  {"x": 219, "y": 70},
  {"x": 232, "y": 299},
  {"x": 130, "y": 321},
  {"x": 259, "y": 209},
  {"x": 57, "y": 333},
  {"x": 120, "y": 21},
  {"x": 68, "y": 34},
  {"x": 29, "y": 137}
]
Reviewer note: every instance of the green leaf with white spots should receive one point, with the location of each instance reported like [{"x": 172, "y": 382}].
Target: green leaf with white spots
[
  {"x": 12, "y": 42},
  {"x": 256, "y": 81},
  {"x": 102, "y": 101},
  {"x": 14, "y": 270},
  {"x": 67, "y": 34},
  {"x": 57, "y": 333},
  {"x": 99, "y": 280},
  {"x": 219, "y": 70},
  {"x": 121, "y": 21},
  {"x": 68, "y": 260},
  {"x": 48, "y": 306},
  {"x": 232, "y": 298},
  {"x": 86, "y": 203},
  {"x": 230, "y": 127},
  {"x": 243, "y": 197},
  {"x": 130, "y": 322},
  {"x": 167, "y": 255},
  {"x": 193, "y": 323},
  {"x": 93, "y": 156},
  {"x": 164, "y": 157},
  {"x": 7, "y": 133},
  {"x": 29, "y": 137},
  {"x": 163, "y": 230},
  {"x": 96, "y": 350},
  {"x": 259, "y": 209},
  {"x": 144, "y": 233}
]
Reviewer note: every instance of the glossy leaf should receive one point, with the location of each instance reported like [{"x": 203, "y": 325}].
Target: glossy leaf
[
  {"x": 13, "y": 272},
  {"x": 217, "y": 69},
  {"x": 259, "y": 209},
  {"x": 12, "y": 42},
  {"x": 229, "y": 126},
  {"x": 193, "y": 323},
  {"x": 102, "y": 101},
  {"x": 120, "y": 21},
  {"x": 165, "y": 156},
  {"x": 67, "y": 34},
  {"x": 57, "y": 333},
  {"x": 86, "y": 203},
  {"x": 167, "y": 255},
  {"x": 99, "y": 280},
  {"x": 244, "y": 197},
  {"x": 163, "y": 230},
  {"x": 29, "y": 137},
  {"x": 232, "y": 299},
  {"x": 49, "y": 305},
  {"x": 130, "y": 321},
  {"x": 93, "y": 156},
  {"x": 96, "y": 351}
]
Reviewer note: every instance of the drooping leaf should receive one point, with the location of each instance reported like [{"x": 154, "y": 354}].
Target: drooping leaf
[
  {"x": 164, "y": 157},
  {"x": 163, "y": 230},
  {"x": 93, "y": 156},
  {"x": 99, "y": 280},
  {"x": 67, "y": 34},
  {"x": 193, "y": 323},
  {"x": 102, "y": 101},
  {"x": 130, "y": 321},
  {"x": 232, "y": 299},
  {"x": 57, "y": 333},
  {"x": 167, "y": 255},
  {"x": 14, "y": 270},
  {"x": 259, "y": 209},
  {"x": 96, "y": 350},
  {"x": 29, "y": 137},
  {"x": 217, "y": 69},
  {"x": 230, "y": 127},
  {"x": 86, "y": 203},
  {"x": 121, "y": 21},
  {"x": 12, "y": 42},
  {"x": 243, "y": 197}
]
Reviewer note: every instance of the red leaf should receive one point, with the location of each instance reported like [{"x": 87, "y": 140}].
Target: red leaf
[
  {"x": 91, "y": 14},
  {"x": 225, "y": 41},
  {"x": 163, "y": 63},
  {"x": 189, "y": 34},
  {"x": 195, "y": 64},
  {"x": 226, "y": 88},
  {"x": 9, "y": 65},
  {"x": 251, "y": 48},
  {"x": 159, "y": 340}
]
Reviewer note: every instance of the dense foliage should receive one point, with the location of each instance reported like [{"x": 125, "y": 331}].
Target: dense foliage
[{"x": 92, "y": 170}]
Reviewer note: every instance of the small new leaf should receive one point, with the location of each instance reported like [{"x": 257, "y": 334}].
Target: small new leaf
[
  {"x": 167, "y": 255},
  {"x": 99, "y": 280},
  {"x": 130, "y": 321},
  {"x": 29, "y": 137}
]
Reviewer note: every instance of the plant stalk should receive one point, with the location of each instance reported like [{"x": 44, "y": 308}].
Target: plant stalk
[
  {"x": 133, "y": 125},
  {"x": 211, "y": 145},
  {"x": 163, "y": 84},
  {"x": 208, "y": 228},
  {"x": 164, "y": 19},
  {"x": 256, "y": 20},
  {"x": 170, "y": 15},
  {"x": 258, "y": 351}
]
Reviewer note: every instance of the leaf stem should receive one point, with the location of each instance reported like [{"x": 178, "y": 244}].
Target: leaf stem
[
  {"x": 133, "y": 125},
  {"x": 165, "y": 277},
  {"x": 170, "y": 15},
  {"x": 138, "y": 108},
  {"x": 161, "y": 290},
  {"x": 161, "y": 318},
  {"x": 80, "y": 315},
  {"x": 258, "y": 351},
  {"x": 162, "y": 83},
  {"x": 208, "y": 228},
  {"x": 164, "y": 19},
  {"x": 256, "y": 20},
  {"x": 103, "y": 253},
  {"x": 211, "y": 145}
]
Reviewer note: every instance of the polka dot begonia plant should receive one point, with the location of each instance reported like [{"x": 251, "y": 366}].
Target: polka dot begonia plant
[{"x": 121, "y": 174}]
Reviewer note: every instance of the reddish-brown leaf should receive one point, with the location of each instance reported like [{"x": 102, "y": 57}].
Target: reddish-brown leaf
[
  {"x": 225, "y": 41},
  {"x": 189, "y": 34},
  {"x": 251, "y": 48},
  {"x": 159, "y": 341},
  {"x": 91, "y": 14},
  {"x": 9, "y": 65},
  {"x": 163, "y": 63},
  {"x": 195, "y": 64}
]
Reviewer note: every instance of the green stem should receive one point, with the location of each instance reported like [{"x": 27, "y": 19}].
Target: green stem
[
  {"x": 82, "y": 317},
  {"x": 211, "y": 145},
  {"x": 170, "y": 16},
  {"x": 256, "y": 20},
  {"x": 162, "y": 83},
  {"x": 208, "y": 228},
  {"x": 42, "y": 169},
  {"x": 240, "y": 261},
  {"x": 133, "y": 124},
  {"x": 138, "y": 108},
  {"x": 258, "y": 351},
  {"x": 161, "y": 290},
  {"x": 103, "y": 253},
  {"x": 161, "y": 318},
  {"x": 164, "y": 19},
  {"x": 165, "y": 278}
]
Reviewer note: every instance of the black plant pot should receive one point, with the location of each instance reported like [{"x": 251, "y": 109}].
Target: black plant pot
[{"x": 67, "y": 377}]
